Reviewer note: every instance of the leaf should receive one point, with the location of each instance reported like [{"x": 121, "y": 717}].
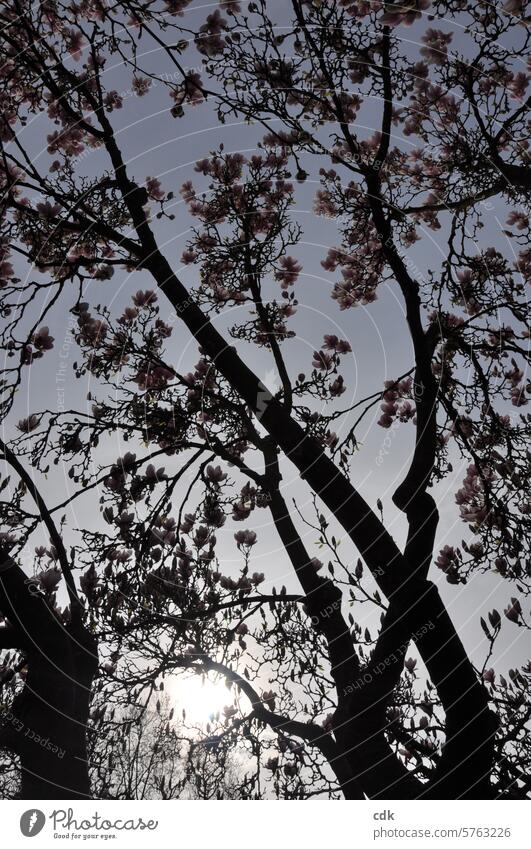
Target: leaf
[{"x": 485, "y": 629}]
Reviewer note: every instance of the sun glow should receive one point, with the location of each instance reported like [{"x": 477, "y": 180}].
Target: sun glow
[{"x": 201, "y": 699}]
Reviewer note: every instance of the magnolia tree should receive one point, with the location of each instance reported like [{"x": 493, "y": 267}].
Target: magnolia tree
[{"x": 411, "y": 135}]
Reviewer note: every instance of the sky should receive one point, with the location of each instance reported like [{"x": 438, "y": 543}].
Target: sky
[{"x": 157, "y": 145}]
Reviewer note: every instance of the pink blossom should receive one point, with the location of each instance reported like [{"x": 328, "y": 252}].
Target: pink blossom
[
  {"x": 322, "y": 361},
  {"x": 97, "y": 411},
  {"x": 49, "y": 579},
  {"x": 215, "y": 474},
  {"x": 269, "y": 698},
  {"x": 471, "y": 498},
  {"x": 245, "y": 538},
  {"x": 436, "y": 50},
  {"x": 141, "y": 86},
  {"x": 89, "y": 580},
  {"x": 113, "y": 101},
  {"x": 153, "y": 377},
  {"x": 328, "y": 722},
  {"x": 193, "y": 89},
  {"x": 330, "y": 439},
  {"x": 209, "y": 40},
  {"x": 231, "y": 7},
  {"x": 154, "y": 475},
  {"x": 489, "y": 676},
  {"x": 48, "y": 210},
  {"x": 513, "y": 7},
  {"x": 240, "y": 511},
  {"x": 29, "y": 424},
  {"x": 227, "y": 583},
  {"x": 514, "y": 611},
  {"x": 154, "y": 188},
  {"x": 291, "y": 769},
  {"x": 518, "y": 84},
  {"x": 404, "y": 12},
  {"x": 144, "y": 299},
  {"x": 337, "y": 387},
  {"x": 518, "y": 219},
  {"x": 69, "y": 140},
  {"x": 288, "y": 272},
  {"x": 340, "y": 346},
  {"x": 128, "y": 316},
  {"x": 176, "y": 7},
  {"x": 75, "y": 43}
]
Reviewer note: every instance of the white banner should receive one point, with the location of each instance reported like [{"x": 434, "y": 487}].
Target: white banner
[{"x": 228, "y": 825}]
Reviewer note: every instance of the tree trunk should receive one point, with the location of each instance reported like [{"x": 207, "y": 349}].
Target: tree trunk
[{"x": 46, "y": 725}]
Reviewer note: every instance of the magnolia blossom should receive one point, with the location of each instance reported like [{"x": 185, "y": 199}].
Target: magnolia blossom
[
  {"x": 176, "y": 7},
  {"x": 29, "y": 424},
  {"x": 154, "y": 475},
  {"x": 210, "y": 41},
  {"x": 75, "y": 43},
  {"x": 471, "y": 498},
  {"x": 290, "y": 769},
  {"x": 154, "y": 188},
  {"x": 404, "y": 12},
  {"x": 245, "y": 538},
  {"x": 392, "y": 405},
  {"x": 436, "y": 50},
  {"x": 322, "y": 361},
  {"x": 340, "y": 346},
  {"x": 144, "y": 299},
  {"x": 189, "y": 91},
  {"x": 337, "y": 387},
  {"x": 215, "y": 474},
  {"x": 113, "y": 101},
  {"x": 449, "y": 561},
  {"x": 48, "y": 210},
  {"x": 141, "y": 86},
  {"x": 231, "y": 7},
  {"x": 514, "y": 611},
  {"x": 288, "y": 272},
  {"x": 241, "y": 511},
  {"x": 89, "y": 581},
  {"x": 49, "y": 579},
  {"x": 518, "y": 85},
  {"x": 269, "y": 698},
  {"x": 69, "y": 140}
]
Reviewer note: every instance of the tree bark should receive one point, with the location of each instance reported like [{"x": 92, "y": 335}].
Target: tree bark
[{"x": 46, "y": 725}]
